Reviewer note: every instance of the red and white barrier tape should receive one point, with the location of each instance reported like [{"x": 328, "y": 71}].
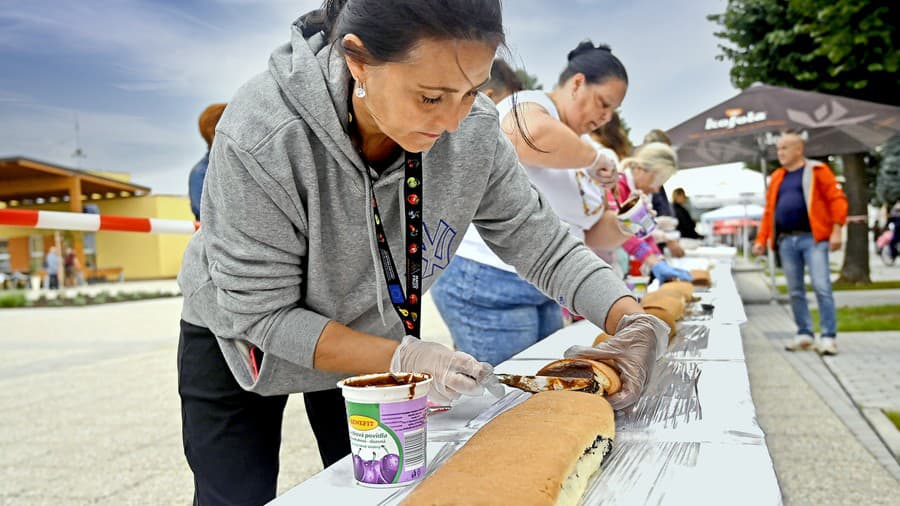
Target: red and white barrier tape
[{"x": 94, "y": 222}]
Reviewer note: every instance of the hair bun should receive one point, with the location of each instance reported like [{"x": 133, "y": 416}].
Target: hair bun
[{"x": 587, "y": 46}]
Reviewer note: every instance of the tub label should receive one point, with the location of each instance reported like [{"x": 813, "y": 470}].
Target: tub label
[{"x": 388, "y": 441}]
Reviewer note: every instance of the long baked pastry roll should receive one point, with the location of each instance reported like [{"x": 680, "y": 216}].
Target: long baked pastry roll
[
  {"x": 684, "y": 288},
  {"x": 539, "y": 453}
]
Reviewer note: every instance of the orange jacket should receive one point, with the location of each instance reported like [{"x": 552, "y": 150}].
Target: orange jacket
[{"x": 826, "y": 203}]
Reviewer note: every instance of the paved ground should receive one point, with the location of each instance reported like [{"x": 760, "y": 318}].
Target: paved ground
[
  {"x": 820, "y": 415},
  {"x": 91, "y": 412},
  {"x": 90, "y": 407}
]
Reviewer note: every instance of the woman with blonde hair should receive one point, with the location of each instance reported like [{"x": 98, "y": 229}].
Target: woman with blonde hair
[{"x": 645, "y": 172}]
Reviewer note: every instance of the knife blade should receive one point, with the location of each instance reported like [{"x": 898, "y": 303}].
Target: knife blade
[{"x": 535, "y": 384}]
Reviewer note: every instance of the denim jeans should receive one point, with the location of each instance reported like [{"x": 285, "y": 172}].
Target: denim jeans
[
  {"x": 493, "y": 314},
  {"x": 797, "y": 252}
]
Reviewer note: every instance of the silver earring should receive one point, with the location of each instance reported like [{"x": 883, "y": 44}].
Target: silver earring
[{"x": 360, "y": 92}]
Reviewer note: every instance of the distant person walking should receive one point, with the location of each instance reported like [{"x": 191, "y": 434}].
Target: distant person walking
[
  {"x": 209, "y": 118},
  {"x": 805, "y": 209},
  {"x": 51, "y": 263}
]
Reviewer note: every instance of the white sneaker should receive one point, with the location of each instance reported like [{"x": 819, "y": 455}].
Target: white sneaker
[
  {"x": 801, "y": 342},
  {"x": 827, "y": 346}
]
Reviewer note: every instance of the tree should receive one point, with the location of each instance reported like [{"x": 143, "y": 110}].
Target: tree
[
  {"x": 888, "y": 186},
  {"x": 842, "y": 47},
  {"x": 529, "y": 81}
]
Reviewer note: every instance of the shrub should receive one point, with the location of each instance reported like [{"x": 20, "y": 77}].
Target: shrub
[{"x": 12, "y": 299}]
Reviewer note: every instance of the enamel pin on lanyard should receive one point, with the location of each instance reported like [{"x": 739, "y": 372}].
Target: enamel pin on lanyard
[{"x": 408, "y": 306}]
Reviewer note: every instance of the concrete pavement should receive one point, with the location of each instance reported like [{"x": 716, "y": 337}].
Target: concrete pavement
[
  {"x": 90, "y": 406},
  {"x": 821, "y": 416}
]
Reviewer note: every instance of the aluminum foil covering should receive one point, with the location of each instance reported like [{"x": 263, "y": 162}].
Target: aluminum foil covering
[{"x": 691, "y": 439}]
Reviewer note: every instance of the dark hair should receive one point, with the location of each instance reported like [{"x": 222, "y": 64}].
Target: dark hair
[
  {"x": 389, "y": 29},
  {"x": 597, "y": 63},
  {"x": 657, "y": 135},
  {"x": 614, "y": 136},
  {"x": 503, "y": 77}
]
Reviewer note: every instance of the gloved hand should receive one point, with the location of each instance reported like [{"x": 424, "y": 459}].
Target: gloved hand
[
  {"x": 664, "y": 272},
  {"x": 455, "y": 373},
  {"x": 604, "y": 168},
  {"x": 639, "y": 340}
]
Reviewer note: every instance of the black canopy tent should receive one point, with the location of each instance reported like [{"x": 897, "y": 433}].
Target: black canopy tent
[{"x": 745, "y": 128}]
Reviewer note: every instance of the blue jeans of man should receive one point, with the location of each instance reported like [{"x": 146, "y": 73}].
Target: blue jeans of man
[
  {"x": 798, "y": 252},
  {"x": 493, "y": 314}
]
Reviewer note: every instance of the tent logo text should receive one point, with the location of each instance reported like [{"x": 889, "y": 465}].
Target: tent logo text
[{"x": 735, "y": 118}]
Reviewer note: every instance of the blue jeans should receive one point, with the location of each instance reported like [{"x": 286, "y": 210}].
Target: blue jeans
[
  {"x": 798, "y": 251},
  {"x": 493, "y": 314}
]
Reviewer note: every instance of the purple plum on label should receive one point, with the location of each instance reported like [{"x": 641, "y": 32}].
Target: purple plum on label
[
  {"x": 390, "y": 464},
  {"x": 372, "y": 471},
  {"x": 358, "y": 468}
]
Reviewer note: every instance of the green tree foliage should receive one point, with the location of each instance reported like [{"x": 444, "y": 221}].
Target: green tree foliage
[
  {"x": 888, "y": 186},
  {"x": 843, "y": 47},
  {"x": 529, "y": 81}
]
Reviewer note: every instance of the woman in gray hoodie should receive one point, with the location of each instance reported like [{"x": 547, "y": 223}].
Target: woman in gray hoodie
[{"x": 340, "y": 183}]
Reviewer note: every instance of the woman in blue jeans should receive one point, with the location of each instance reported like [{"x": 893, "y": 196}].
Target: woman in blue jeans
[{"x": 493, "y": 313}]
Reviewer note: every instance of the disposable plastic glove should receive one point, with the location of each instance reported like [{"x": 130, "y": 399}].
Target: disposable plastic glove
[
  {"x": 639, "y": 340},
  {"x": 664, "y": 272},
  {"x": 604, "y": 168},
  {"x": 455, "y": 373}
]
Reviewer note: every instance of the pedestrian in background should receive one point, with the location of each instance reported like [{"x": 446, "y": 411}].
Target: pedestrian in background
[
  {"x": 51, "y": 263},
  {"x": 209, "y": 118},
  {"x": 687, "y": 227},
  {"x": 805, "y": 210},
  {"x": 71, "y": 268}
]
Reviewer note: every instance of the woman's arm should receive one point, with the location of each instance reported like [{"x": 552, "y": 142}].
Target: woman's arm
[
  {"x": 342, "y": 349},
  {"x": 606, "y": 233},
  {"x": 563, "y": 148}
]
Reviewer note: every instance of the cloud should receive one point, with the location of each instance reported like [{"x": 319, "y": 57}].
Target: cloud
[
  {"x": 154, "y": 47},
  {"x": 167, "y": 60},
  {"x": 111, "y": 141}
]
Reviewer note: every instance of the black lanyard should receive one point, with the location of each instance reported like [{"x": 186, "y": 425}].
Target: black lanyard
[{"x": 408, "y": 308}]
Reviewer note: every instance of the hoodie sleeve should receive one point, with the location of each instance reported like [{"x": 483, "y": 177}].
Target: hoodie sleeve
[
  {"x": 519, "y": 226},
  {"x": 255, "y": 245}
]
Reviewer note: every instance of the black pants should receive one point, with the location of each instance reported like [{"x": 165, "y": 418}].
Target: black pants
[{"x": 232, "y": 437}]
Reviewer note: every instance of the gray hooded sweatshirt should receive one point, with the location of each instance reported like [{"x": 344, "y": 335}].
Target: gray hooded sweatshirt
[{"x": 288, "y": 243}]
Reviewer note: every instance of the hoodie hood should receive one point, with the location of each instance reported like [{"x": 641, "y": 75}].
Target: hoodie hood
[{"x": 315, "y": 80}]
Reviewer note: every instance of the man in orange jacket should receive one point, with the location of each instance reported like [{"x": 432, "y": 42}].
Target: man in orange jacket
[{"x": 805, "y": 210}]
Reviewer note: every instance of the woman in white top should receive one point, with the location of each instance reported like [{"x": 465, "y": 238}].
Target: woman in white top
[{"x": 492, "y": 313}]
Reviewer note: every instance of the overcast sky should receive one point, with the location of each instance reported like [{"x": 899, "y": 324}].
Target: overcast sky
[{"x": 137, "y": 73}]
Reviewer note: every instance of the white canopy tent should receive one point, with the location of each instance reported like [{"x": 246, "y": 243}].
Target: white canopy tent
[
  {"x": 735, "y": 212},
  {"x": 719, "y": 185},
  {"x": 751, "y": 211}
]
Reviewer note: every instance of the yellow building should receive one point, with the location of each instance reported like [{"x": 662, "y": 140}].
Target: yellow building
[{"x": 31, "y": 184}]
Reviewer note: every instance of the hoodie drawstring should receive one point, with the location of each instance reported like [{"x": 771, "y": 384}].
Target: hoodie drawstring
[{"x": 373, "y": 248}]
